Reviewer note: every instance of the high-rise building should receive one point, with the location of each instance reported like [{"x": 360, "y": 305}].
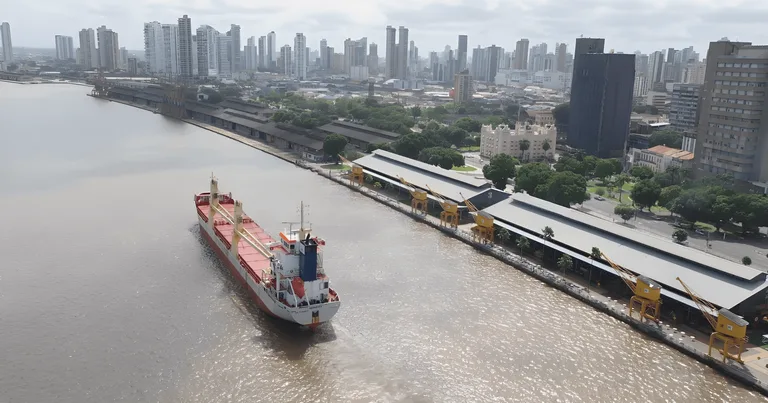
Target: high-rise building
[
  {"x": 271, "y": 49},
  {"x": 373, "y": 59},
  {"x": 251, "y": 55},
  {"x": 324, "y": 54},
  {"x": 462, "y": 87},
  {"x": 461, "y": 54},
  {"x": 109, "y": 49},
  {"x": 561, "y": 49},
  {"x": 207, "y": 51},
  {"x": 186, "y": 49},
  {"x": 287, "y": 58},
  {"x": 5, "y": 33},
  {"x": 225, "y": 56},
  {"x": 133, "y": 66},
  {"x": 263, "y": 54},
  {"x": 537, "y": 58},
  {"x": 521, "y": 54},
  {"x": 236, "y": 49},
  {"x": 683, "y": 109},
  {"x": 355, "y": 53},
  {"x": 171, "y": 49},
  {"x": 655, "y": 68},
  {"x": 732, "y": 133},
  {"x": 154, "y": 47},
  {"x": 65, "y": 48},
  {"x": 402, "y": 53},
  {"x": 601, "y": 99},
  {"x": 300, "y": 57},
  {"x": 694, "y": 72},
  {"x": 88, "y": 54},
  {"x": 390, "y": 58},
  {"x": 123, "y": 58}
]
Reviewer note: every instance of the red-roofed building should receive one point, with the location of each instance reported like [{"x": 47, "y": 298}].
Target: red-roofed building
[{"x": 659, "y": 158}]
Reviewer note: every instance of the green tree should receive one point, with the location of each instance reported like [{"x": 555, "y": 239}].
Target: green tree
[
  {"x": 565, "y": 262},
  {"x": 668, "y": 195},
  {"x": 416, "y": 111},
  {"x": 548, "y": 233},
  {"x": 680, "y": 235},
  {"x": 624, "y": 211},
  {"x": 499, "y": 169},
  {"x": 600, "y": 191},
  {"x": 620, "y": 181},
  {"x": 503, "y": 235},
  {"x": 570, "y": 164},
  {"x": 589, "y": 163},
  {"x": 445, "y": 158},
  {"x": 410, "y": 145},
  {"x": 641, "y": 172},
  {"x": 334, "y": 144},
  {"x": 646, "y": 193},
  {"x": 606, "y": 168},
  {"x": 524, "y": 145},
  {"x": 596, "y": 254},
  {"x": 721, "y": 211},
  {"x": 523, "y": 244},
  {"x": 468, "y": 124},
  {"x": 746, "y": 261},
  {"x": 566, "y": 189},
  {"x": 669, "y": 138},
  {"x": 693, "y": 205},
  {"x": 545, "y": 146},
  {"x": 530, "y": 176}
]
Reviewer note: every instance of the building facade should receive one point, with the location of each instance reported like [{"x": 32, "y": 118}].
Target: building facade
[
  {"x": 5, "y": 34},
  {"x": 660, "y": 158},
  {"x": 506, "y": 140},
  {"x": 109, "y": 49},
  {"x": 186, "y": 47},
  {"x": 462, "y": 87},
  {"x": 390, "y": 67},
  {"x": 683, "y": 109},
  {"x": 300, "y": 57},
  {"x": 287, "y": 57},
  {"x": 732, "y": 132},
  {"x": 89, "y": 55},
  {"x": 65, "y": 48},
  {"x": 207, "y": 51}
]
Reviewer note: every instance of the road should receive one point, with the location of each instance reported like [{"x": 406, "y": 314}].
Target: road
[{"x": 732, "y": 248}]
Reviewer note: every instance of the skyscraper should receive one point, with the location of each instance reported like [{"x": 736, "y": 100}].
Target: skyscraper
[
  {"x": 154, "y": 47},
  {"x": 225, "y": 56},
  {"x": 5, "y": 33},
  {"x": 207, "y": 51},
  {"x": 109, "y": 49},
  {"x": 287, "y": 57},
  {"x": 390, "y": 67},
  {"x": 601, "y": 99},
  {"x": 461, "y": 55},
  {"x": 251, "y": 55},
  {"x": 236, "y": 49},
  {"x": 373, "y": 59},
  {"x": 560, "y": 56},
  {"x": 521, "y": 54},
  {"x": 323, "y": 54},
  {"x": 88, "y": 52},
  {"x": 271, "y": 49},
  {"x": 186, "y": 67},
  {"x": 300, "y": 57},
  {"x": 65, "y": 49},
  {"x": 402, "y": 53},
  {"x": 264, "y": 61}
]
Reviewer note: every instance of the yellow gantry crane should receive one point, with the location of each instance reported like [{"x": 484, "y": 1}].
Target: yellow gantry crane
[
  {"x": 357, "y": 175},
  {"x": 728, "y": 327},
  {"x": 418, "y": 197},
  {"x": 483, "y": 229},
  {"x": 647, "y": 292},
  {"x": 449, "y": 217}
]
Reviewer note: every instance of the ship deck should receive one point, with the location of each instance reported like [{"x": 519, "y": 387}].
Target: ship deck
[{"x": 251, "y": 259}]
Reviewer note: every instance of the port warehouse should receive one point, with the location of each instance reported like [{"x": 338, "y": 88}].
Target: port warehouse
[
  {"x": 726, "y": 284},
  {"x": 253, "y": 120}
]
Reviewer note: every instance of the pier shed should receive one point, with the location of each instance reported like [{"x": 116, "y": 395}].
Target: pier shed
[
  {"x": 724, "y": 283},
  {"x": 359, "y": 135},
  {"x": 390, "y": 167}
]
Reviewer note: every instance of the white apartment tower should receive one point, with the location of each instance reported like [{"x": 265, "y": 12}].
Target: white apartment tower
[
  {"x": 88, "y": 54},
  {"x": 225, "y": 56},
  {"x": 186, "y": 47},
  {"x": 109, "y": 49},
  {"x": 154, "y": 51},
  {"x": 285, "y": 54},
  {"x": 235, "y": 48},
  {"x": 251, "y": 55},
  {"x": 402, "y": 53},
  {"x": 65, "y": 48},
  {"x": 300, "y": 57},
  {"x": 207, "y": 51},
  {"x": 271, "y": 49},
  {"x": 5, "y": 33},
  {"x": 323, "y": 54}
]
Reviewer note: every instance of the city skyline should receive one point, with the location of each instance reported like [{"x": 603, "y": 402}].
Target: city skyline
[{"x": 549, "y": 23}]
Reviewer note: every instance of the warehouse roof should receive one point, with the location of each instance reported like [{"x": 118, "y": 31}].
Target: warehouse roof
[
  {"x": 717, "y": 280},
  {"x": 359, "y": 132},
  {"x": 242, "y": 106},
  {"x": 446, "y": 182},
  {"x": 289, "y": 136}
]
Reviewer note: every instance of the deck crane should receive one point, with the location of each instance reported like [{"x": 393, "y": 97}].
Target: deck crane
[
  {"x": 728, "y": 327},
  {"x": 357, "y": 175},
  {"x": 418, "y": 197},
  {"x": 647, "y": 292},
  {"x": 483, "y": 229},
  {"x": 449, "y": 217}
]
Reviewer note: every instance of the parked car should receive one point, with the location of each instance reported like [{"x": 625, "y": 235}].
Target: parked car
[{"x": 601, "y": 198}]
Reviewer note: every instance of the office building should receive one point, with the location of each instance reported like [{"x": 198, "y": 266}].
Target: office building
[
  {"x": 271, "y": 58},
  {"x": 65, "y": 48},
  {"x": 251, "y": 55},
  {"x": 89, "y": 55},
  {"x": 601, "y": 99},
  {"x": 186, "y": 60},
  {"x": 402, "y": 53},
  {"x": 521, "y": 55},
  {"x": 462, "y": 87},
  {"x": 235, "y": 49},
  {"x": 390, "y": 58},
  {"x": 732, "y": 135},
  {"x": 561, "y": 50},
  {"x": 324, "y": 54},
  {"x": 683, "y": 109},
  {"x": 287, "y": 58},
  {"x": 461, "y": 54},
  {"x": 225, "y": 56},
  {"x": 300, "y": 57},
  {"x": 355, "y": 53},
  {"x": 264, "y": 62},
  {"x": 5, "y": 34},
  {"x": 109, "y": 49},
  {"x": 373, "y": 59},
  {"x": 207, "y": 51}
]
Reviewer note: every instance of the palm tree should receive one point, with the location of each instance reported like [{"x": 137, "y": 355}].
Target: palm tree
[
  {"x": 565, "y": 262},
  {"x": 524, "y": 146},
  {"x": 545, "y": 146},
  {"x": 547, "y": 233},
  {"x": 524, "y": 244},
  {"x": 620, "y": 181},
  {"x": 596, "y": 254},
  {"x": 503, "y": 235}
]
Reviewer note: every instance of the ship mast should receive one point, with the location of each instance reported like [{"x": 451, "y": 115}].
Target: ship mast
[{"x": 302, "y": 231}]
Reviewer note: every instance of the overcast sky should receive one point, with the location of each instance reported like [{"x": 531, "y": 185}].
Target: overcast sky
[{"x": 627, "y": 25}]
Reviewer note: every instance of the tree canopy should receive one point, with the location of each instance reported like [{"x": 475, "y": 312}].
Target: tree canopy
[
  {"x": 445, "y": 158},
  {"x": 666, "y": 137},
  {"x": 641, "y": 172},
  {"x": 334, "y": 144},
  {"x": 645, "y": 193},
  {"x": 499, "y": 169}
]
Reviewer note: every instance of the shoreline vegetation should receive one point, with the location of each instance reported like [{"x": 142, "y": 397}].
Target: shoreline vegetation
[{"x": 617, "y": 309}]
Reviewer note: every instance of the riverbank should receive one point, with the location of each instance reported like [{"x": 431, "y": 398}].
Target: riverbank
[{"x": 664, "y": 333}]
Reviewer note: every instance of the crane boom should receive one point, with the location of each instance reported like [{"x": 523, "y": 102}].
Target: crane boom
[
  {"x": 469, "y": 204},
  {"x": 244, "y": 234},
  {"x": 705, "y": 306},
  {"x": 625, "y": 274}
]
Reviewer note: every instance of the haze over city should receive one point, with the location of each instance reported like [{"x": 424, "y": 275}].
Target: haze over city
[{"x": 644, "y": 25}]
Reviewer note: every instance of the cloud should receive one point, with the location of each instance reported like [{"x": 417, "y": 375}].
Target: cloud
[{"x": 627, "y": 25}]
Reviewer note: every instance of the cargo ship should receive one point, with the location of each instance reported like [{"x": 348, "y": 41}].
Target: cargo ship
[{"x": 285, "y": 278}]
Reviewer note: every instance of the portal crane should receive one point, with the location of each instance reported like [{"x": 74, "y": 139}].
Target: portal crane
[
  {"x": 450, "y": 214},
  {"x": 357, "y": 175},
  {"x": 418, "y": 197},
  {"x": 483, "y": 229},
  {"x": 728, "y": 327},
  {"x": 647, "y": 292}
]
